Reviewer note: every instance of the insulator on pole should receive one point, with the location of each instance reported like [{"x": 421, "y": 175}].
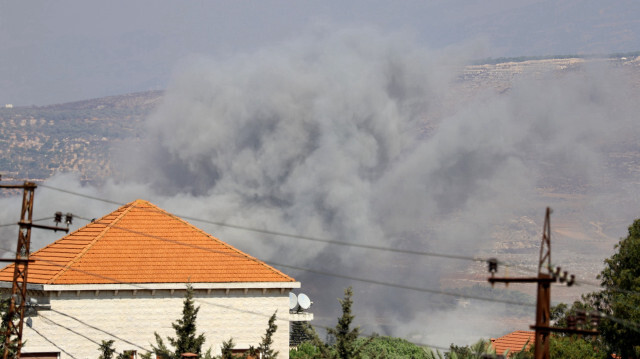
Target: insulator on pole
[
  {"x": 57, "y": 217},
  {"x": 493, "y": 265}
]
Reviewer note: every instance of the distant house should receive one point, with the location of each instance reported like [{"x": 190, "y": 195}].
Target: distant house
[
  {"x": 123, "y": 276},
  {"x": 514, "y": 342}
]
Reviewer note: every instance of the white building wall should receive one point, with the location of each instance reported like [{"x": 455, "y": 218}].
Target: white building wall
[{"x": 79, "y": 321}]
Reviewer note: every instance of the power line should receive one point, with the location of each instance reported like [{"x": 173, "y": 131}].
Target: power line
[
  {"x": 142, "y": 287},
  {"x": 98, "y": 329},
  {"x": 439, "y": 292},
  {"x": 52, "y": 343},
  {"x": 402, "y": 286},
  {"x": 278, "y": 233},
  {"x": 621, "y": 321},
  {"x": 426, "y": 290},
  {"x": 204, "y": 302},
  {"x": 80, "y": 194},
  {"x": 477, "y": 259},
  {"x": 34, "y": 220},
  {"x": 293, "y": 236},
  {"x": 78, "y": 333},
  {"x": 196, "y": 299},
  {"x": 69, "y": 329},
  {"x": 371, "y": 281}
]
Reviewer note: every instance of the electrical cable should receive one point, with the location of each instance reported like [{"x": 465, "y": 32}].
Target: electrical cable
[
  {"x": 195, "y": 299},
  {"x": 34, "y": 220},
  {"x": 67, "y": 328},
  {"x": 426, "y": 290},
  {"x": 626, "y": 323},
  {"x": 142, "y": 287},
  {"x": 283, "y": 234},
  {"x": 365, "y": 280},
  {"x": 401, "y": 286},
  {"x": 438, "y": 292},
  {"x": 308, "y": 238},
  {"x": 80, "y": 194},
  {"x": 75, "y": 332},
  {"x": 98, "y": 329},
  {"x": 307, "y": 269},
  {"x": 52, "y": 343}
]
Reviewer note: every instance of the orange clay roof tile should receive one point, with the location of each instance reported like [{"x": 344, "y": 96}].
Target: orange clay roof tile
[
  {"x": 513, "y": 341},
  {"x": 141, "y": 243}
]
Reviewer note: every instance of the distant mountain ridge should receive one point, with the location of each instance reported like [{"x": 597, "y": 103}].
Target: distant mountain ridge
[
  {"x": 137, "y": 100},
  {"x": 38, "y": 141}
]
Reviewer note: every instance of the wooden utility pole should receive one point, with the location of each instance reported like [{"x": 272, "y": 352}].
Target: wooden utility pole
[
  {"x": 543, "y": 303},
  {"x": 13, "y": 334}
]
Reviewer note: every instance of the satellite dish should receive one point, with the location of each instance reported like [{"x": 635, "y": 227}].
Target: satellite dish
[
  {"x": 304, "y": 301},
  {"x": 293, "y": 301}
]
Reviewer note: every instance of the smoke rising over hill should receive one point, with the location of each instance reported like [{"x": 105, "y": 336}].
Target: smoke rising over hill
[{"x": 361, "y": 137}]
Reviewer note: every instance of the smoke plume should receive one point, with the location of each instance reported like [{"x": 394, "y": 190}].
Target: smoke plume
[{"x": 362, "y": 137}]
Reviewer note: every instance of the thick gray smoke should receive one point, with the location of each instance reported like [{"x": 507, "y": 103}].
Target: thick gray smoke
[{"x": 361, "y": 137}]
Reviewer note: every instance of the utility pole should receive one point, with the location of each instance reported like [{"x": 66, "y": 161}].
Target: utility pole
[
  {"x": 543, "y": 302},
  {"x": 13, "y": 334}
]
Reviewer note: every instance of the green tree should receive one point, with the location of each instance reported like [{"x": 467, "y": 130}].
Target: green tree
[
  {"x": 227, "y": 350},
  {"x": 344, "y": 335},
  {"x": 4, "y": 310},
  {"x": 306, "y": 350},
  {"x": 619, "y": 299},
  {"x": 574, "y": 348},
  {"x": 186, "y": 340},
  {"x": 265, "y": 346},
  {"x": 561, "y": 312},
  {"x": 343, "y": 339},
  {"x": 390, "y": 348},
  {"x": 106, "y": 349},
  {"x": 456, "y": 352},
  {"x": 480, "y": 349}
]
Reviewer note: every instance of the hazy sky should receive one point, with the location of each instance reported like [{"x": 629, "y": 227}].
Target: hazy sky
[{"x": 63, "y": 51}]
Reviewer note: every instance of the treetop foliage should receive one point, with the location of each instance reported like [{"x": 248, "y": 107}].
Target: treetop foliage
[
  {"x": 265, "y": 346},
  {"x": 186, "y": 340},
  {"x": 618, "y": 301}
]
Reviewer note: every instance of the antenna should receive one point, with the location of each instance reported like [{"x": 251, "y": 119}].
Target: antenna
[
  {"x": 293, "y": 301},
  {"x": 304, "y": 301}
]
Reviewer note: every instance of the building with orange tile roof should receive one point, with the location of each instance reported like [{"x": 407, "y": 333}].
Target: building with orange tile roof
[
  {"x": 123, "y": 277},
  {"x": 514, "y": 342}
]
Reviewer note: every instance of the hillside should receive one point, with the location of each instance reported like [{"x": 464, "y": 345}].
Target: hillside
[
  {"x": 77, "y": 136},
  {"x": 39, "y": 141}
]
